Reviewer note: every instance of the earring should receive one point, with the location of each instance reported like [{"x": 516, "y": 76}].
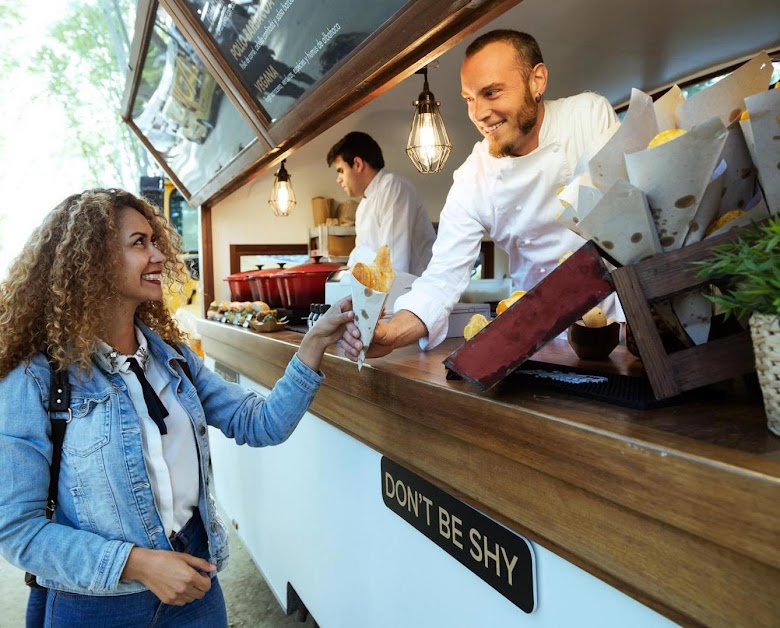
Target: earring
[{"x": 538, "y": 98}]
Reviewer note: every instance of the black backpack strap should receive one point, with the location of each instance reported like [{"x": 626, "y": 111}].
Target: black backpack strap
[{"x": 59, "y": 401}]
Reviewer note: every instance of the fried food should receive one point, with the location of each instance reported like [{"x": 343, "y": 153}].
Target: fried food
[
  {"x": 378, "y": 276},
  {"x": 475, "y": 325},
  {"x": 665, "y": 136},
  {"x": 724, "y": 220},
  {"x": 364, "y": 274},
  {"x": 504, "y": 304},
  {"x": 594, "y": 317}
]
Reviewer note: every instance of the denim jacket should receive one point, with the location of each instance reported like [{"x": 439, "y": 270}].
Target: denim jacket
[{"x": 105, "y": 502}]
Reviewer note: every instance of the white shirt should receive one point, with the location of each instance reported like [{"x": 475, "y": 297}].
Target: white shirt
[
  {"x": 392, "y": 213},
  {"x": 171, "y": 459},
  {"x": 514, "y": 200}
]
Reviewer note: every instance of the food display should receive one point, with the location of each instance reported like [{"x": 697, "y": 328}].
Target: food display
[
  {"x": 256, "y": 315},
  {"x": 677, "y": 171}
]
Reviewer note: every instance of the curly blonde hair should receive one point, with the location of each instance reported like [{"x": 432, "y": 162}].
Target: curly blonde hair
[{"x": 60, "y": 290}]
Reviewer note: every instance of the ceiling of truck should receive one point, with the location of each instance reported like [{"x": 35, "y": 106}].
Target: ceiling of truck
[{"x": 610, "y": 46}]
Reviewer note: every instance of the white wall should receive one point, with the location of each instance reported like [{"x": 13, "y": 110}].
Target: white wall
[{"x": 245, "y": 218}]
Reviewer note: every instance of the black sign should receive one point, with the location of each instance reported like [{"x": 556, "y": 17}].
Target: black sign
[
  {"x": 282, "y": 48},
  {"x": 497, "y": 555}
]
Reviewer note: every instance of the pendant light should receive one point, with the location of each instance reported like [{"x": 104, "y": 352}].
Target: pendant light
[
  {"x": 428, "y": 146},
  {"x": 282, "y": 198}
]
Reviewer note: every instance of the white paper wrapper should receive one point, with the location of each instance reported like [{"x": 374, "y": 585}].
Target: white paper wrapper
[
  {"x": 622, "y": 226},
  {"x": 725, "y": 98},
  {"x": 638, "y": 128},
  {"x": 674, "y": 176},
  {"x": 761, "y": 132},
  {"x": 739, "y": 184},
  {"x": 666, "y": 108},
  {"x": 695, "y": 313},
  {"x": 708, "y": 208},
  {"x": 367, "y": 305}
]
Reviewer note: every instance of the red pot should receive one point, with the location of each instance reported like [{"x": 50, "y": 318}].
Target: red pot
[
  {"x": 265, "y": 286},
  {"x": 305, "y": 284},
  {"x": 240, "y": 289}
]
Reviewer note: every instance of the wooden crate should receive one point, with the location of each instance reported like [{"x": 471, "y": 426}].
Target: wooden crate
[{"x": 660, "y": 277}]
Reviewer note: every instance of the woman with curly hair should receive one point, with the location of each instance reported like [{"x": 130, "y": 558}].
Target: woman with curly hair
[{"x": 135, "y": 538}]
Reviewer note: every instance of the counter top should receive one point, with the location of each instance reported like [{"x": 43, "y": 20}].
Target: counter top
[{"x": 677, "y": 506}]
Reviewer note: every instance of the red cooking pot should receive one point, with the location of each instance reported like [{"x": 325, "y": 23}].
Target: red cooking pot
[
  {"x": 305, "y": 284},
  {"x": 240, "y": 289},
  {"x": 265, "y": 286}
]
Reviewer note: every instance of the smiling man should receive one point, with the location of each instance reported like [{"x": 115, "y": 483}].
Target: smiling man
[{"x": 505, "y": 188}]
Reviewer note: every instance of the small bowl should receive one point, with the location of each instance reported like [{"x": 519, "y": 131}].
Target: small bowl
[{"x": 594, "y": 343}]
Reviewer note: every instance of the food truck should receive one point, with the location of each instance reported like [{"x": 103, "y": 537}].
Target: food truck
[{"x": 408, "y": 496}]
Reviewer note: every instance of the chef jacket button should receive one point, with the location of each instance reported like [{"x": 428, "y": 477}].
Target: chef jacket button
[
  {"x": 202, "y": 430},
  {"x": 555, "y": 148}
]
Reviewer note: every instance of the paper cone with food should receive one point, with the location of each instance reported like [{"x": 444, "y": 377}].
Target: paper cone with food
[{"x": 371, "y": 285}]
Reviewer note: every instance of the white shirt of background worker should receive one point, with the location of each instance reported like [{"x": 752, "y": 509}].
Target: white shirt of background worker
[
  {"x": 390, "y": 210},
  {"x": 507, "y": 187}
]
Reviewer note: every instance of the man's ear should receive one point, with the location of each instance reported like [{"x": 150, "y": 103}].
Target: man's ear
[
  {"x": 537, "y": 81},
  {"x": 358, "y": 164}
]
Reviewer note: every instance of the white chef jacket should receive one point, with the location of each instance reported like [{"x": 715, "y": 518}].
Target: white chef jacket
[
  {"x": 514, "y": 200},
  {"x": 392, "y": 213}
]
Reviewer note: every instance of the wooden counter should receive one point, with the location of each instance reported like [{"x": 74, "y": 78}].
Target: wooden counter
[{"x": 679, "y": 506}]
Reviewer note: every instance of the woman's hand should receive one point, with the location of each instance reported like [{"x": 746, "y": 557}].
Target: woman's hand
[
  {"x": 327, "y": 330},
  {"x": 175, "y": 578}
]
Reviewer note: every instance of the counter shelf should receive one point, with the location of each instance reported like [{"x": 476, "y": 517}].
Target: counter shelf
[{"x": 677, "y": 506}]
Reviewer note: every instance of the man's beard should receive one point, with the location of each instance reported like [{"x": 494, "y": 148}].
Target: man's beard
[{"x": 525, "y": 120}]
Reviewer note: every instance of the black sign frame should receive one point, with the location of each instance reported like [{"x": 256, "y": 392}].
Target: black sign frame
[{"x": 464, "y": 533}]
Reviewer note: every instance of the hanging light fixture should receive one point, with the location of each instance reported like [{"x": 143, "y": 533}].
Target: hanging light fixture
[
  {"x": 428, "y": 146},
  {"x": 282, "y": 198}
]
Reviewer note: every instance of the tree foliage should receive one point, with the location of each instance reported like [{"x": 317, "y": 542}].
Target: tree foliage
[{"x": 79, "y": 61}]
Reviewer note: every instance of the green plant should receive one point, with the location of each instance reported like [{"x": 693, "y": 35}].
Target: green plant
[{"x": 750, "y": 269}]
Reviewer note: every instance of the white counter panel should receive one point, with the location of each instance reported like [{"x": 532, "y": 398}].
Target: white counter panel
[{"x": 311, "y": 513}]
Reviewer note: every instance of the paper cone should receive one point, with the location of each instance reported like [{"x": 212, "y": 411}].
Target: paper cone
[
  {"x": 622, "y": 226},
  {"x": 639, "y": 127},
  {"x": 694, "y": 312},
  {"x": 708, "y": 208},
  {"x": 367, "y": 305},
  {"x": 761, "y": 132},
  {"x": 666, "y": 108},
  {"x": 726, "y": 98},
  {"x": 675, "y": 175}
]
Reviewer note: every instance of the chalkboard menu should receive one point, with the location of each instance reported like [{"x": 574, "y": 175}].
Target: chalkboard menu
[
  {"x": 183, "y": 113},
  {"x": 281, "y": 49}
]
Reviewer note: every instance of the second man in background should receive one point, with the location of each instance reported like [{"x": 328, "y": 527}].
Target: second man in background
[{"x": 390, "y": 210}]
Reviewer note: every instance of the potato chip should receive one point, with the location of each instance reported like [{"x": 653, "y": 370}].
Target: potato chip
[
  {"x": 364, "y": 274},
  {"x": 380, "y": 275}
]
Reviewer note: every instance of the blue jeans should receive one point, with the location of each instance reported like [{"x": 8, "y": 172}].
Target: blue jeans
[{"x": 70, "y": 610}]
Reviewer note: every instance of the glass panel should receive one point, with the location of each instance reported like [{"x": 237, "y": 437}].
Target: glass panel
[
  {"x": 184, "y": 218},
  {"x": 183, "y": 112},
  {"x": 282, "y": 48}
]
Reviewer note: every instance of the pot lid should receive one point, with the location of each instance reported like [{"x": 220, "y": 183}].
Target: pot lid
[
  {"x": 242, "y": 276},
  {"x": 265, "y": 272},
  {"x": 315, "y": 266}
]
